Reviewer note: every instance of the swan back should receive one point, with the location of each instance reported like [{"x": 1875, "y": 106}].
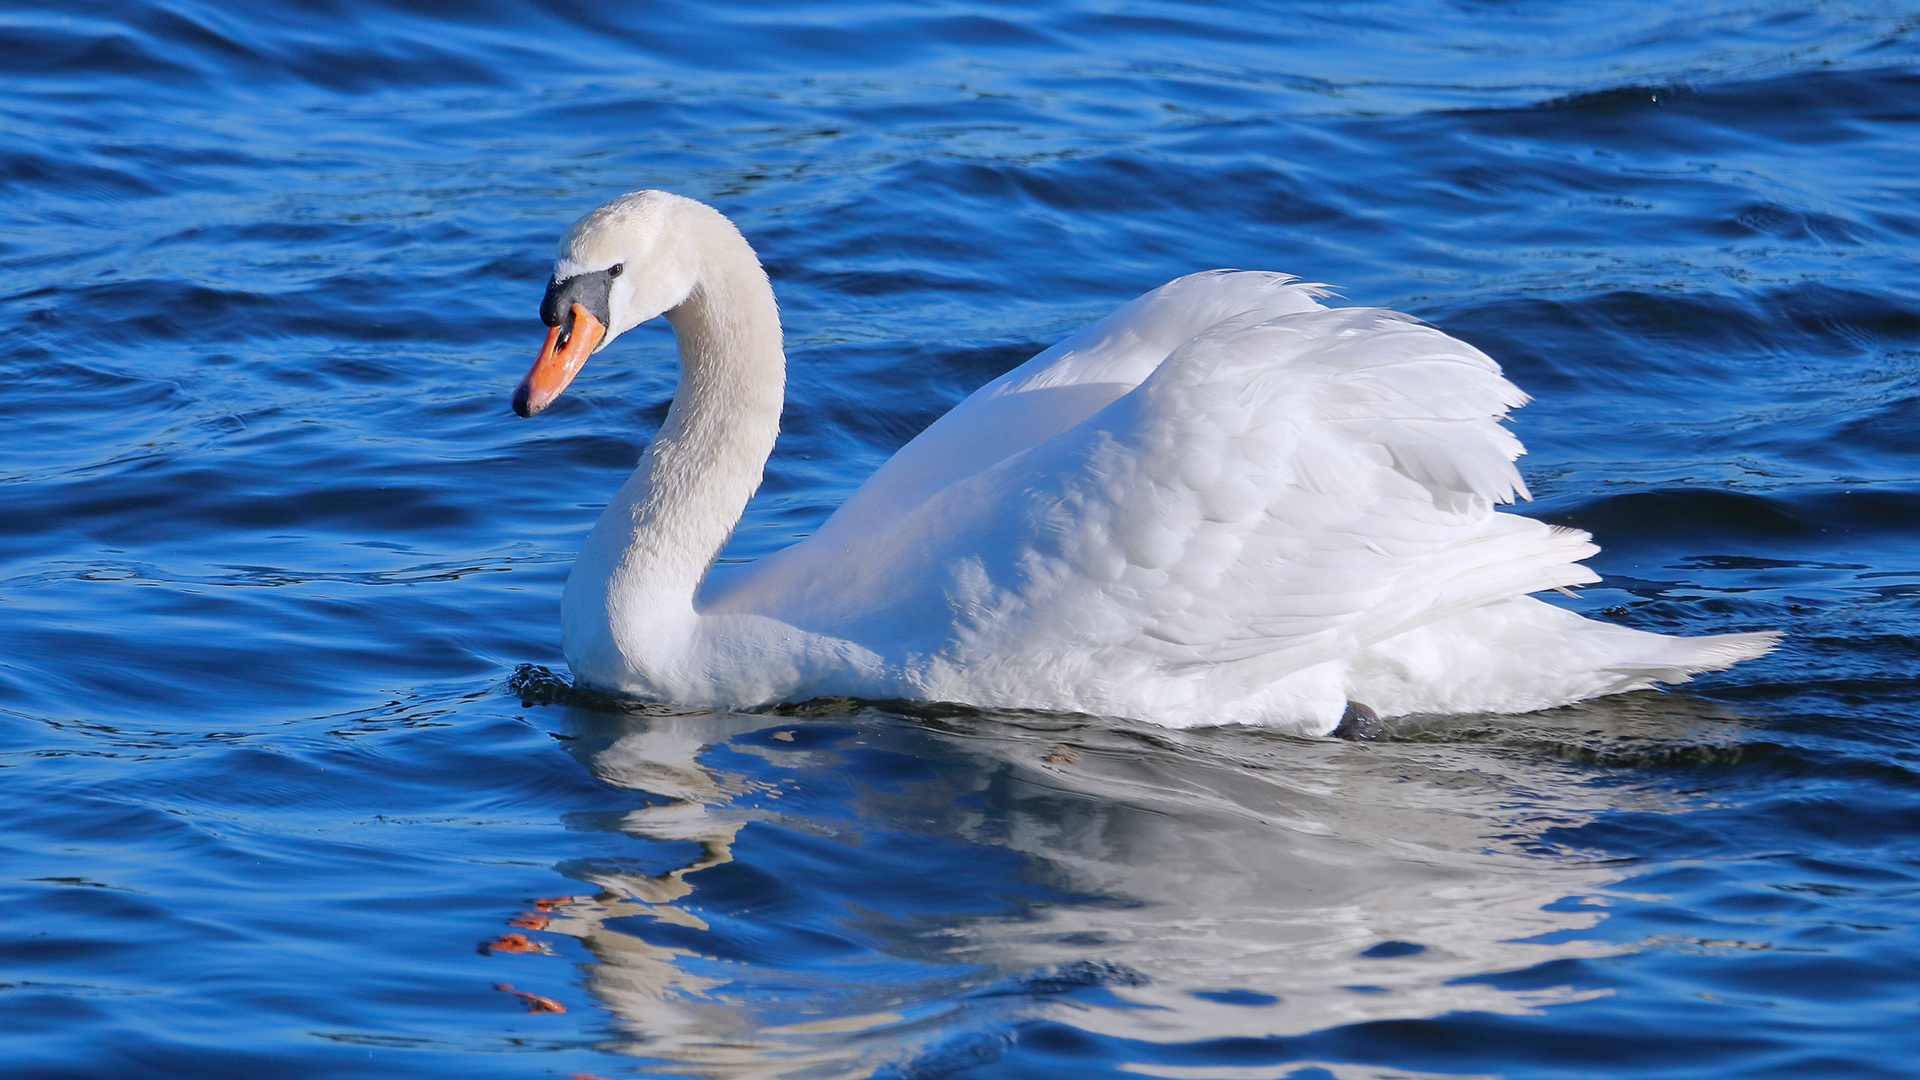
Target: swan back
[
  {"x": 1065, "y": 384},
  {"x": 1235, "y": 485}
]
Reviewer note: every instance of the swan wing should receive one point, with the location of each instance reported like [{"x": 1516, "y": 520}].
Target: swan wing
[
  {"x": 1276, "y": 492},
  {"x": 1304, "y": 485},
  {"x": 1064, "y": 385}
]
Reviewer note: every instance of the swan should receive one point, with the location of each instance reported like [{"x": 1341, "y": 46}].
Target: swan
[{"x": 1223, "y": 503}]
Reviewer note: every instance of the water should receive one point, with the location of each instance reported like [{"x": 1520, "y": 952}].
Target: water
[{"x": 274, "y": 547}]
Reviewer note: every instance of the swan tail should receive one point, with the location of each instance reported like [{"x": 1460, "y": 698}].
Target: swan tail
[
  {"x": 1678, "y": 659},
  {"x": 1524, "y": 654}
]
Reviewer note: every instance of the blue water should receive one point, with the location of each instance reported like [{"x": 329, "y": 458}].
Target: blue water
[{"x": 275, "y": 549}]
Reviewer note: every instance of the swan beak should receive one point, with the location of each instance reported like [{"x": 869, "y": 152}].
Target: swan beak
[{"x": 556, "y": 367}]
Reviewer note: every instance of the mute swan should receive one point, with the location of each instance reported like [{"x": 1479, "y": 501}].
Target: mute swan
[{"x": 1222, "y": 503}]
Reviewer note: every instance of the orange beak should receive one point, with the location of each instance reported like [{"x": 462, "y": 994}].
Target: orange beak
[{"x": 553, "y": 370}]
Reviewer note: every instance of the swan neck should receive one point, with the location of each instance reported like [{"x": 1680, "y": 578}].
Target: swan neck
[{"x": 708, "y": 457}]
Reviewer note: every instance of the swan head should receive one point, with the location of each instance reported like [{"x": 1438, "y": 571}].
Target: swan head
[{"x": 627, "y": 261}]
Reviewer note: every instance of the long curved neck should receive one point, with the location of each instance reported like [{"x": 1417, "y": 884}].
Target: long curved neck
[{"x": 655, "y": 541}]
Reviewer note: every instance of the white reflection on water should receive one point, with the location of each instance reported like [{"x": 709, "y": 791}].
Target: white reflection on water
[{"x": 1219, "y": 883}]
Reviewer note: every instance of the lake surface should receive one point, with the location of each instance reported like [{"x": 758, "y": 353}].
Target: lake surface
[{"x": 287, "y": 758}]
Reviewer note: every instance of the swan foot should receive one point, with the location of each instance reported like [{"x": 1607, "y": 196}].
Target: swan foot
[
  {"x": 1359, "y": 724},
  {"x": 1061, "y": 754}
]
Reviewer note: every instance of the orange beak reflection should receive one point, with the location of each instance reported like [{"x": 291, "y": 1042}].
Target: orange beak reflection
[{"x": 553, "y": 370}]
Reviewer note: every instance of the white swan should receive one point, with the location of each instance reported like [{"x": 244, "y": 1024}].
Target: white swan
[{"x": 1223, "y": 503}]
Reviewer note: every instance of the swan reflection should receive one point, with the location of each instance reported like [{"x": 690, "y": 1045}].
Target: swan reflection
[{"x": 829, "y": 892}]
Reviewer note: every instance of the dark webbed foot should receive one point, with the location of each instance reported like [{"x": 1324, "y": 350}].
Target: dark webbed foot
[{"x": 1359, "y": 723}]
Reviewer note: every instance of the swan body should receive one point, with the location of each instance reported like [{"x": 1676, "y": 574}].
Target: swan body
[{"x": 1222, "y": 503}]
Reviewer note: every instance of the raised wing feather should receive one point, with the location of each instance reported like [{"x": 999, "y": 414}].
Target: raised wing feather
[
  {"x": 1065, "y": 384},
  {"x": 1302, "y": 485},
  {"x": 1275, "y": 492}
]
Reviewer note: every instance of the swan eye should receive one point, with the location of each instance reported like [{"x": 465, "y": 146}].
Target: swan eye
[{"x": 614, "y": 270}]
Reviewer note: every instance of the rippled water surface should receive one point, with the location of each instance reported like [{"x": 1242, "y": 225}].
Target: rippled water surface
[{"x": 277, "y": 803}]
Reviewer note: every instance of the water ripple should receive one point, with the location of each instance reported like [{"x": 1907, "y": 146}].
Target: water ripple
[{"x": 279, "y": 802}]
